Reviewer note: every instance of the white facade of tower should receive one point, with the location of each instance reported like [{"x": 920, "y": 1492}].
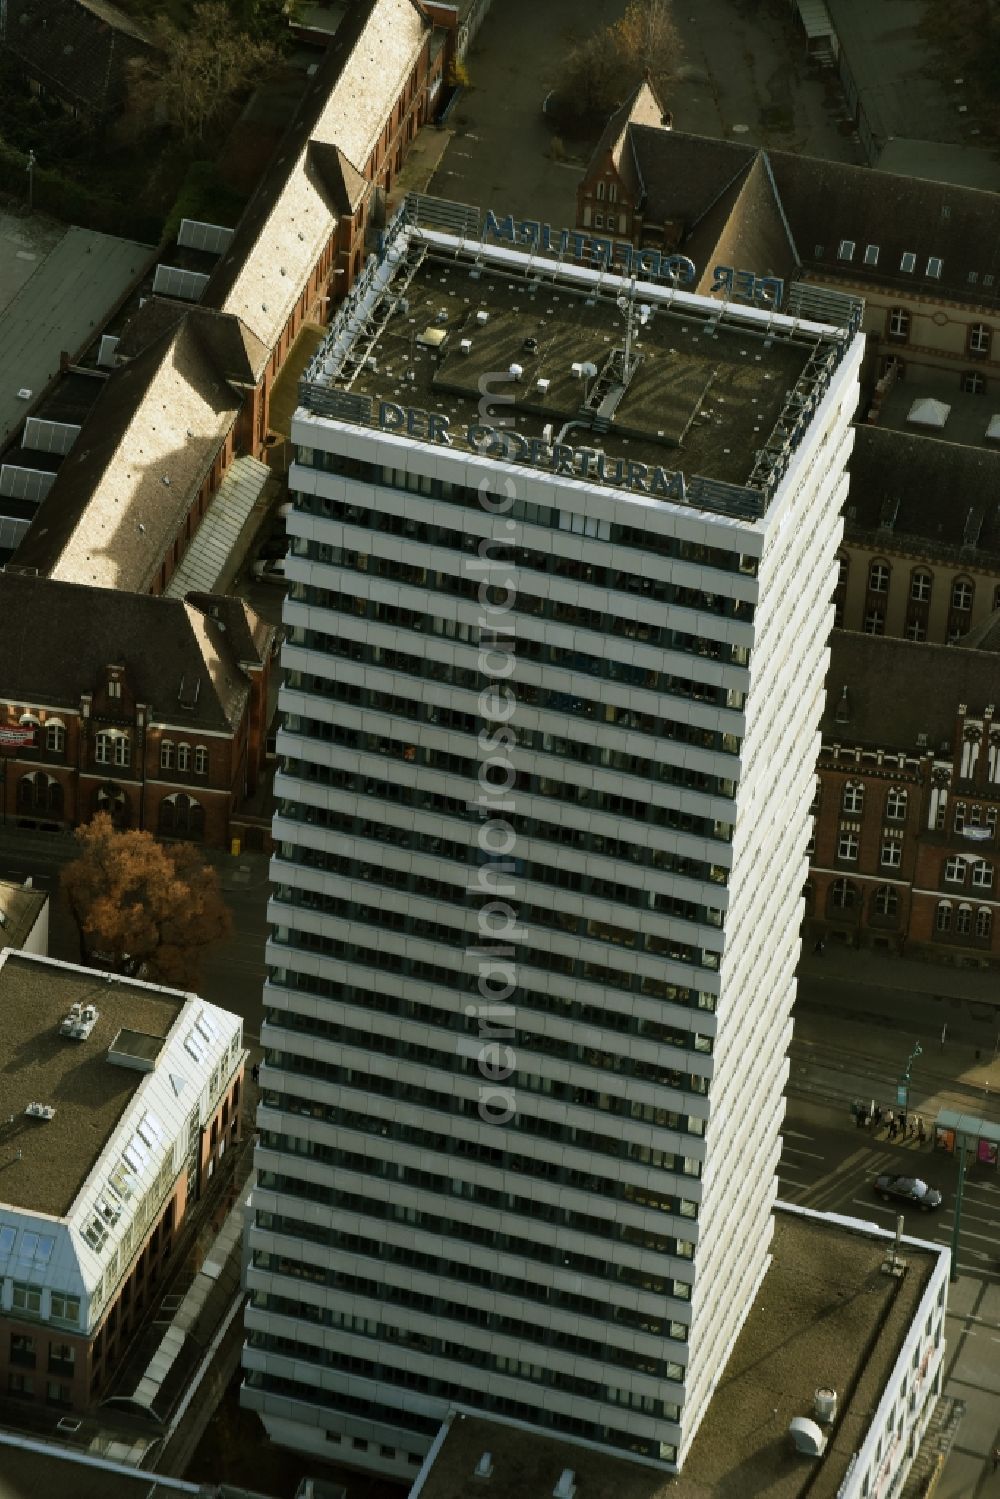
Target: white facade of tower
[{"x": 586, "y": 1264}]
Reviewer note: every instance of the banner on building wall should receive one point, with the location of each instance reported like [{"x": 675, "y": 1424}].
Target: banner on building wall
[{"x": 17, "y": 737}]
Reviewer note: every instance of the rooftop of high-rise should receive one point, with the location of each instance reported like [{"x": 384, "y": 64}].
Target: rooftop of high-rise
[{"x": 620, "y": 378}]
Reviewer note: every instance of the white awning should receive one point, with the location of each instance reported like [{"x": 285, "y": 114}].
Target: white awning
[{"x": 926, "y": 412}]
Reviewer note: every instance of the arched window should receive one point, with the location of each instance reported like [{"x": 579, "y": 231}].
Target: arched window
[
  {"x": 183, "y": 757},
  {"x": 39, "y": 793},
  {"x": 942, "y": 920},
  {"x": 963, "y": 920},
  {"x": 166, "y": 754},
  {"x": 895, "y": 803},
  {"x": 984, "y": 922},
  {"x": 854, "y": 796},
  {"x": 200, "y": 760},
  {"x": 181, "y": 817},
  {"x": 112, "y": 799},
  {"x": 55, "y": 736},
  {"x": 878, "y": 577},
  {"x": 963, "y": 591},
  {"x": 843, "y": 895},
  {"x": 886, "y": 901}
]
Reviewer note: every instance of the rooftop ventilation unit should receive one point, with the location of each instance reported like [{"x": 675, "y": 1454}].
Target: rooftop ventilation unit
[
  {"x": 807, "y": 1436},
  {"x": 465, "y": 346},
  {"x": 24, "y": 394},
  {"x": 516, "y": 371},
  {"x": 482, "y": 316},
  {"x": 576, "y": 370},
  {"x": 484, "y": 1467},
  {"x": 547, "y": 432},
  {"x": 40, "y": 1111},
  {"x": 825, "y": 1405},
  {"x": 441, "y": 316},
  {"x": 566, "y": 1487},
  {"x": 542, "y": 386},
  {"x": 79, "y": 1022}
]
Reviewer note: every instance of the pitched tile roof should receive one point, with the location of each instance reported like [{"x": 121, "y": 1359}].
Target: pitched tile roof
[
  {"x": 60, "y": 637},
  {"x": 343, "y": 183},
  {"x": 292, "y": 214},
  {"x": 922, "y": 492},
  {"x": 825, "y": 204},
  {"x": 79, "y": 49},
  {"x": 250, "y": 636},
  {"x": 122, "y": 494},
  {"x": 898, "y": 690},
  {"x": 642, "y": 107}
]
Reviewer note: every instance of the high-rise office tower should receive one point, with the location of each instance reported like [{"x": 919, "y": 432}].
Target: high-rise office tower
[{"x": 561, "y": 578}]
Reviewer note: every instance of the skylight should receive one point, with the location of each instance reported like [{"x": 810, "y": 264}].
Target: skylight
[
  {"x": 908, "y": 261},
  {"x": 845, "y": 250},
  {"x": 871, "y": 255}
]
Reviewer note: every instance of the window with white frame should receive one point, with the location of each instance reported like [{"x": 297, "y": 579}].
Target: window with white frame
[
  {"x": 847, "y": 844},
  {"x": 942, "y": 920},
  {"x": 973, "y": 383},
  {"x": 166, "y": 754},
  {"x": 962, "y": 593},
  {"x": 963, "y": 920},
  {"x": 982, "y": 875},
  {"x": 200, "y": 760},
  {"x": 892, "y": 853},
  {"x": 853, "y": 799},
  {"x": 612, "y": 192},
  {"x": 886, "y": 901},
  {"x": 600, "y": 189},
  {"x": 915, "y": 629},
  {"x": 954, "y": 870},
  {"x": 979, "y": 339},
  {"x": 843, "y": 895},
  {"x": 112, "y": 748},
  {"x": 875, "y": 622},
  {"x": 959, "y": 817},
  {"x": 899, "y": 323},
  {"x": 183, "y": 757},
  {"x": 920, "y": 586},
  {"x": 984, "y": 922},
  {"x": 55, "y": 736},
  {"x": 878, "y": 577},
  {"x": 895, "y": 803}
]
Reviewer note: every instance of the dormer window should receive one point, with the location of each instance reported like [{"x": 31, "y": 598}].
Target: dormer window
[{"x": 600, "y": 189}]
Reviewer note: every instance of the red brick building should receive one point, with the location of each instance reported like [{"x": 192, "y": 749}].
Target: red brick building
[
  {"x": 905, "y": 851},
  {"x": 151, "y": 709}
]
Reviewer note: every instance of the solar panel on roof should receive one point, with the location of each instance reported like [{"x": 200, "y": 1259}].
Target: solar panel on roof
[
  {"x": 171, "y": 281},
  {"x": 195, "y": 235}
]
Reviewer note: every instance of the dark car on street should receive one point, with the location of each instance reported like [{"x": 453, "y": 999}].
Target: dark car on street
[{"x": 909, "y": 1189}]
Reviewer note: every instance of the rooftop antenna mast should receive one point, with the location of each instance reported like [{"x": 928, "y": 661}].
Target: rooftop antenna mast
[{"x": 626, "y": 304}]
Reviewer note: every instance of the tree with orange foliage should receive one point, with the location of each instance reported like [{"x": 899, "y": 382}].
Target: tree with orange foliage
[
  {"x": 141, "y": 906},
  {"x": 603, "y": 68}
]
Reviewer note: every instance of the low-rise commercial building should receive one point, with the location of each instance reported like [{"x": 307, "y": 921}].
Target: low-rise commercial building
[{"x": 122, "y": 1097}]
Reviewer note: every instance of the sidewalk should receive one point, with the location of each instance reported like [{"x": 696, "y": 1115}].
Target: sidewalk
[{"x": 885, "y": 970}]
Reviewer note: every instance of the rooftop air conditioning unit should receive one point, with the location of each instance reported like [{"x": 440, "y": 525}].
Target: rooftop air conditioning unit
[
  {"x": 24, "y": 394},
  {"x": 484, "y": 1467},
  {"x": 465, "y": 345},
  {"x": 542, "y": 386},
  {"x": 482, "y": 316},
  {"x": 516, "y": 371},
  {"x": 40, "y": 1111},
  {"x": 576, "y": 370}
]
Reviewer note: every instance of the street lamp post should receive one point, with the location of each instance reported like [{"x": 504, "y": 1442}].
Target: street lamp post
[
  {"x": 31, "y": 180},
  {"x": 957, "y": 1224},
  {"x": 903, "y": 1088}
]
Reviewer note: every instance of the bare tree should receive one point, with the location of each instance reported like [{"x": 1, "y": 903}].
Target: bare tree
[{"x": 601, "y": 70}]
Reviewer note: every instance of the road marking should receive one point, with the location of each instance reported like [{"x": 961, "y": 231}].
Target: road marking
[
  {"x": 794, "y": 1134},
  {"x": 813, "y": 1155}
]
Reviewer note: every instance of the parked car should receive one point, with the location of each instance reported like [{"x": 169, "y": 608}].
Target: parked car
[
  {"x": 270, "y": 570},
  {"x": 908, "y": 1189}
]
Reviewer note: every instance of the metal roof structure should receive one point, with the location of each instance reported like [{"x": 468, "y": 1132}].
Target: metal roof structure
[
  {"x": 206, "y": 558},
  {"x": 60, "y": 308}
]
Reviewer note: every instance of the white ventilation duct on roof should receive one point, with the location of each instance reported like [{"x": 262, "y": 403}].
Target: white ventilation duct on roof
[{"x": 807, "y": 1436}]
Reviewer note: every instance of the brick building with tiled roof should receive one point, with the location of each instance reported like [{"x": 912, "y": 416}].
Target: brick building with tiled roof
[{"x": 151, "y": 709}]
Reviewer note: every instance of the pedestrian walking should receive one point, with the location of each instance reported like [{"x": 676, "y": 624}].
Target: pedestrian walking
[
  {"x": 889, "y": 1122},
  {"x": 892, "y": 1129},
  {"x": 902, "y": 1125},
  {"x": 877, "y": 1115},
  {"x": 921, "y": 1132},
  {"x": 255, "y": 1072},
  {"x": 820, "y": 947}
]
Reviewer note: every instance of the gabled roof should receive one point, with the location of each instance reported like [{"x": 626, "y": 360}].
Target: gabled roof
[
  {"x": 920, "y": 490},
  {"x": 122, "y": 492},
  {"x": 235, "y": 351},
  {"x": 250, "y": 636},
  {"x": 642, "y": 107},
  {"x": 80, "y": 49},
  {"x": 897, "y": 690},
  {"x": 743, "y": 228},
  {"x": 60, "y": 637},
  {"x": 344, "y": 184},
  {"x": 292, "y": 214},
  {"x": 827, "y": 204}
]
